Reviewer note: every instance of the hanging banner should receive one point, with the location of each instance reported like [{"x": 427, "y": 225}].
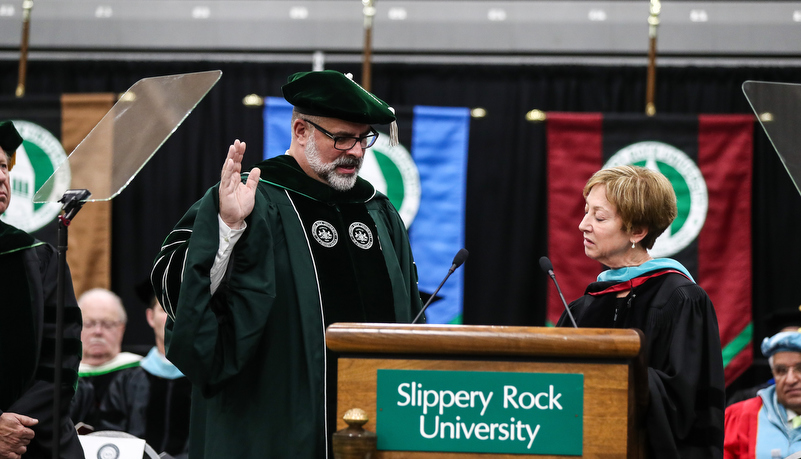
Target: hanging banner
[
  {"x": 440, "y": 137},
  {"x": 277, "y": 120},
  {"x": 708, "y": 160}
]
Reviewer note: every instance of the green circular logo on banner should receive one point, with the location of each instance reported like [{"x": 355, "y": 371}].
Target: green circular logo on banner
[
  {"x": 36, "y": 160},
  {"x": 688, "y": 183},
  {"x": 392, "y": 171}
]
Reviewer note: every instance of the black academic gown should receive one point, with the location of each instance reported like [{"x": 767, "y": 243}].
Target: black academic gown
[
  {"x": 28, "y": 284},
  {"x": 682, "y": 346},
  {"x": 255, "y": 351},
  {"x": 149, "y": 407}
]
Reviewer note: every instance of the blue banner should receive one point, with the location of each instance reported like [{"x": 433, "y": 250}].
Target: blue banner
[
  {"x": 277, "y": 132},
  {"x": 440, "y": 137}
]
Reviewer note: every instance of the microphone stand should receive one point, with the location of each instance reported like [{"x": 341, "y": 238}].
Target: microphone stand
[
  {"x": 547, "y": 267},
  {"x": 458, "y": 260},
  {"x": 450, "y": 271},
  {"x": 72, "y": 201}
]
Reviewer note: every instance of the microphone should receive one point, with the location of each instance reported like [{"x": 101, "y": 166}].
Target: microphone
[
  {"x": 460, "y": 257},
  {"x": 547, "y": 267}
]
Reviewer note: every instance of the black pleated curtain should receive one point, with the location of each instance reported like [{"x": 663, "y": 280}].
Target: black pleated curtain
[{"x": 506, "y": 213}]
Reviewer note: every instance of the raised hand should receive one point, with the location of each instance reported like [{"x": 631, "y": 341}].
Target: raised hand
[
  {"x": 236, "y": 198},
  {"x": 15, "y": 434}
]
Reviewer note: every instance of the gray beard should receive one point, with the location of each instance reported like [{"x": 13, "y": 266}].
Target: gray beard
[{"x": 328, "y": 172}]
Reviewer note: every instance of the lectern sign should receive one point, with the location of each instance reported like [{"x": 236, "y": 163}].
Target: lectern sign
[{"x": 480, "y": 412}]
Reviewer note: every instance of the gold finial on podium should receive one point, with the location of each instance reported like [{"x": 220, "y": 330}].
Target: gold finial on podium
[
  {"x": 353, "y": 442},
  {"x": 355, "y": 417}
]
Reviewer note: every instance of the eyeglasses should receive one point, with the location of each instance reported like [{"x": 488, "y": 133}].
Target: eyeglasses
[
  {"x": 104, "y": 324},
  {"x": 346, "y": 143},
  {"x": 781, "y": 371}
]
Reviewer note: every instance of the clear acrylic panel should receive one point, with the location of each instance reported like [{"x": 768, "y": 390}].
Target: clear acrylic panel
[
  {"x": 126, "y": 138},
  {"x": 778, "y": 109}
]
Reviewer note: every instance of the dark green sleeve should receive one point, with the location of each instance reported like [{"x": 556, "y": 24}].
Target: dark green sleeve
[
  {"x": 210, "y": 338},
  {"x": 169, "y": 264}
]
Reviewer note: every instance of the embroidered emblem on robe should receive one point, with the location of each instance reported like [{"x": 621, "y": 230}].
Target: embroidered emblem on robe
[
  {"x": 324, "y": 233},
  {"x": 360, "y": 235}
]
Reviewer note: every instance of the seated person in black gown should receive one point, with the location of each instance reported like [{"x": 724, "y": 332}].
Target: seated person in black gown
[
  {"x": 151, "y": 401},
  {"x": 104, "y": 320}
]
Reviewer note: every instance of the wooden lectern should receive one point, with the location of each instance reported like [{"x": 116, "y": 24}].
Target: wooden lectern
[{"x": 615, "y": 392}]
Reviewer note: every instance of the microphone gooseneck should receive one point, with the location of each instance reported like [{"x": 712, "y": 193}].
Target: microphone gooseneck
[
  {"x": 458, "y": 260},
  {"x": 547, "y": 266}
]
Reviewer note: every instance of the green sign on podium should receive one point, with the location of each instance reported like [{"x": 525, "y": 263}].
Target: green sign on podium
[{"x": 480, "y": 412}]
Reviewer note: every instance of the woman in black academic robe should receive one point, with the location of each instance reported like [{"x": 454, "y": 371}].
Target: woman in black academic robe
[{"x": 626, "y": 209}]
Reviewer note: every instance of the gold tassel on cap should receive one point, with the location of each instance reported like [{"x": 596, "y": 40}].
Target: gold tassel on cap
[{"x": 393, "y": 131}]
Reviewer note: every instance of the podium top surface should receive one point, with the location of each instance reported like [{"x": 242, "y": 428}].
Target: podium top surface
[{"x": 484, "y": 340}]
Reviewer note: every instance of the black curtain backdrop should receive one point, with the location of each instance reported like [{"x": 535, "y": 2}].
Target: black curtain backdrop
[{"x": 506, "y": 182}]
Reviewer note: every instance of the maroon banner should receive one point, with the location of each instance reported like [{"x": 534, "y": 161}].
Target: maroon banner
[
  {"x": 574, "y": 153},
  {"x": 708, "y": 159}
]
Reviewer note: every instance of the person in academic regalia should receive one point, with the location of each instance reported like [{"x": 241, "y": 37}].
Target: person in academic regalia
[
  {"x": 150, "y": 401},
  {"x": 768, "y": 425},
  {"x": 780, "y": 320},
  {"x": 104, "y": 320},
  {"x": 261, "y": 265},
  {"x": 28, "y": 286},
  {"x": 626, "y": 209}
]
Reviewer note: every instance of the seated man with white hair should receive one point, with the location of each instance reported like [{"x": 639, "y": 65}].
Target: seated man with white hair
[
  {"x": 769, "y": 425},
  {"x": 104, "y": 320}
]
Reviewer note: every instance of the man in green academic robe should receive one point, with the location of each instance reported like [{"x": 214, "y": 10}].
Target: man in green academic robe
[
  {"x": 28, "y": 298},
  {"x": 264, "y": 262}
]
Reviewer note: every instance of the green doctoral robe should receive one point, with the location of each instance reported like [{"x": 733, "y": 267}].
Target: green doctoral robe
[
  {"x": 28, "y": 299},
  {"x": 255, "y": 350}
]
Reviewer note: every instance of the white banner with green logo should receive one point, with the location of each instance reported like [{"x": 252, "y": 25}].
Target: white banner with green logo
[{"x": 36, "y": 159}]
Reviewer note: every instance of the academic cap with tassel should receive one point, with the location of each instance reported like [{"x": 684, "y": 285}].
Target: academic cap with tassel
[{"x": 333, "y": 94}]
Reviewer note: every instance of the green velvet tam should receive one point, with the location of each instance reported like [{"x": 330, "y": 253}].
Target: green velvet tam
[
  {"x": 10, "y": 139},
  {"x": 332, "y": 94}
]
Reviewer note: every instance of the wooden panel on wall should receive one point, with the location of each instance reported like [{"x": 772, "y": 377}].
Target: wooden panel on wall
[{"x": 89, "y": 253}]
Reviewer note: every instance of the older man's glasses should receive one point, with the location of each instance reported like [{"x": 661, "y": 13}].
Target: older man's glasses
[
  {"x": 104, "y": 324},
  {"x": 781, "y": 371},
  {"x": 346, "y": 143}
]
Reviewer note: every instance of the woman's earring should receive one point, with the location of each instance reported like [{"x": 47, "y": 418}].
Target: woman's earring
[{"x": 633, "y": 244}]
